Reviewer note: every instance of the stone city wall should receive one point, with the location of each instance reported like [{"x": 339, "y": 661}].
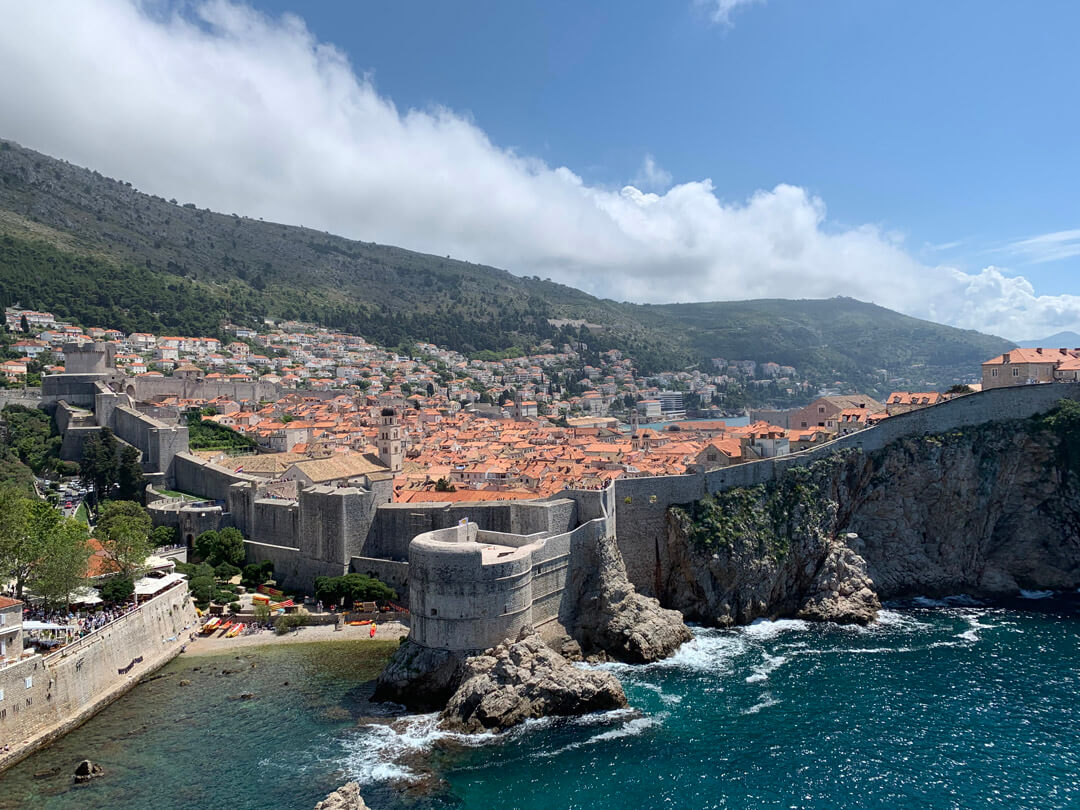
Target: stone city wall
[
  {"x": 641, "y": 503},
  {"x": 68, "y": 686}
]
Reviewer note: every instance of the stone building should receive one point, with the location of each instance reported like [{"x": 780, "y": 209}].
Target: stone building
[
  {"x": 825, "y": 411},
  {"x": 389, "y": 442},
  {"x": 1025, "y": 367},
  {"x": 11, "y": 645}
]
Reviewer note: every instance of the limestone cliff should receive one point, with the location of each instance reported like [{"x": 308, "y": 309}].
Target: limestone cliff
[
  {"x": 611, "y": 619},
  {"x": 985, "y": 510}
]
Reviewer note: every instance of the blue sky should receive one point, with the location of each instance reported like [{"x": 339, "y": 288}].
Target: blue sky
[
  {"x": 951, "y": 122},
  {"x": 919, "y": 154}
]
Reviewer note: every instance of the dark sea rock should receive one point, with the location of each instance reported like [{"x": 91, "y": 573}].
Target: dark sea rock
[{"x": 87, "y": 770}]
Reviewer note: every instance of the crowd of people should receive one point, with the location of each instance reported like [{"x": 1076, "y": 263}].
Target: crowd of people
[{"x": 83, "y": 621}]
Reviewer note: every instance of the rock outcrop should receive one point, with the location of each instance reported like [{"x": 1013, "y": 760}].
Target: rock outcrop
[
  {"x": 985, "y": 510},
  {"x": 525, "y": 679},
  {"x": 613, "y": 620},
  {"x": 87, "y": 770},
  {"x": 419, "y": 678},
  {"x": 346, "y": 797}
]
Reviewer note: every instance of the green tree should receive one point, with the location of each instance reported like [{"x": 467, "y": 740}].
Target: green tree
[
  {"x": 61, "y": 568},
  {"x": 24, "y": 324},
  {"x": 231, "y": 546},
  {"x": 163, "y": 536},
  {"x": 225, "y": 546},
  {"x": 123, "y": 528},
  {"x": 129, "y": 476},
  {"x": 206, "y": 546},
  {"x": 353, "y": 588},
  {"x": 100, "y": 464},
  {"x": 117, "y": 589}
]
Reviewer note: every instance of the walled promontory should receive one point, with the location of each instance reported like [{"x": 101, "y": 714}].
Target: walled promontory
[{"x": 985, "y": 510}]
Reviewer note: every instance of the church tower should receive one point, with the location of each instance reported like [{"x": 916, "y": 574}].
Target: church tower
[
  {"x": 635, "y": 442},
  {"x": 389, "y": 442}
]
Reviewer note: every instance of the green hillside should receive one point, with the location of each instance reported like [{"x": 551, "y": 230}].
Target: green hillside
[{"x": 99, "y": 252}]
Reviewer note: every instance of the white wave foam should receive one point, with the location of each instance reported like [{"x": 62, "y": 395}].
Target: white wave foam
[
  {"x": 709, "y": 651},
  {"x": 974, "y": 626},
  {"x": 377, "y": 749},
  {"x": 631, "y": 728},
  {"x": 769, "y": 664},
  {"x": 603, "y": 718},
  {"x": 664, "y": 696},
  {"x": 764, "y": 703},
  {"x": 894, "y": 620},
  {"x": 766, "y": 628},
  {"x": 1036, "y": 594}
]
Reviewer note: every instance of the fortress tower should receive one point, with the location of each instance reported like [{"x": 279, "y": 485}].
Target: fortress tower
[{"x": 391, "y": 452}]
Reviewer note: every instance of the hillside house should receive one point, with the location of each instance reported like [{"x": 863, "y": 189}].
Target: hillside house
[
  {"x": 825, "y": 411},
  {"x": 1024, "y": 367},
  {"x": 904, "y": 401}
]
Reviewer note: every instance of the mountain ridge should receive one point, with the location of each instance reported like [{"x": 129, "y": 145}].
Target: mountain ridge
[{"x": 91, "y": 247}]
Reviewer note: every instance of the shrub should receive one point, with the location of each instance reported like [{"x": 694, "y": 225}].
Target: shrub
[
  {"x": 353, "y": 588},
  {"x": 226, "y": 571},
  {"x": 235, "y": 607},
  {"x": 290, "y": 621},
  {"x": 202, "y": 588}
]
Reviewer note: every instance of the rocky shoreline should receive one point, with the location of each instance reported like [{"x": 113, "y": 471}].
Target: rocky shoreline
[
  {"x": 987, "y": 511},
  {"x": 532, "y": 675}
]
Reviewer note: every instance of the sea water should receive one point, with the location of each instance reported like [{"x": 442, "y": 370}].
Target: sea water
[{"x": 942, "y": 704}]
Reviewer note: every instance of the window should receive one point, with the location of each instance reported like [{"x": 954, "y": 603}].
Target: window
[
  {"x": 1, "y": 694},
  {"x": 29, "y": 681},
  {"x": 1016, "y": 372},
  {"x": 3, "y": 619}
]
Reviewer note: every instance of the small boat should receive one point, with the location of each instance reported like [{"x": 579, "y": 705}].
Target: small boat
[
  {"x": 234, "y": 631},
  {"x": 225, "y": 626},
  {"x": 211, "y": 625},
  {"x": 364, "y": 623}
]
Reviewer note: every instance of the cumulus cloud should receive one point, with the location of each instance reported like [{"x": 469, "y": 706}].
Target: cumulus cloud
[{"x": 220, "y": 105}]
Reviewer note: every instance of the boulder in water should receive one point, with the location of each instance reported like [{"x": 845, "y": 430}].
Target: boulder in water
[
  {"x": 515, "y": 681},
  {"x": 346, "y": 797},
  {"x": 87, "y": 770}
]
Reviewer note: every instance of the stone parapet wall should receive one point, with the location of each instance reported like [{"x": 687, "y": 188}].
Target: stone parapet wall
[
  {"x": 68, "y": 686},
  {"x": 641, "y": 503}
]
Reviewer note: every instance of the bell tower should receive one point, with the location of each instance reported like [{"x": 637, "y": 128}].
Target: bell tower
[{"x": 389, "y": 442}]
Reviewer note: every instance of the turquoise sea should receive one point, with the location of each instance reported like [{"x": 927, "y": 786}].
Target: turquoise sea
[{"x": 948, "y": 704}]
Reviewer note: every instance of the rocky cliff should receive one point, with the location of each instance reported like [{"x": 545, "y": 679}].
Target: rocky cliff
[
  {"x": 605, "y": 618},
  {"x": 524, "y": 679},
  {"x": 985, "y": 510}
]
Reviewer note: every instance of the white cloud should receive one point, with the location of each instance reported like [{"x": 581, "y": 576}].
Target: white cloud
[
  {"x": 721, "y": 10},
  {"x": 244, "y": 113},
  {"x": 1047, "y": 247},
  {"x": 651, "y": 177}
]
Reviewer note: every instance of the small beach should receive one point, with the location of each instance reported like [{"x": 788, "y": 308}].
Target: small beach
[{"x": 216, "y": 644}]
